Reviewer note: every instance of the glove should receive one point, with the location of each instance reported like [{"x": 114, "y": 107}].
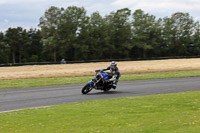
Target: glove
[{"x": 97, "y": 71}]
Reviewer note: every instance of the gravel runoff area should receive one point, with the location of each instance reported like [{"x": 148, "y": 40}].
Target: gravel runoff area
[{"x": 86, "y": 69}]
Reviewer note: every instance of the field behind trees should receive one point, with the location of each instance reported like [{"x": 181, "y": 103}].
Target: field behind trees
[
  {"x": 86, "y": 69},
  {"x": 73, "y": 34}
]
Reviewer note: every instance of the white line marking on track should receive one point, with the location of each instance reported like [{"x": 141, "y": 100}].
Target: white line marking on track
[{"x": 25, "y": 109}]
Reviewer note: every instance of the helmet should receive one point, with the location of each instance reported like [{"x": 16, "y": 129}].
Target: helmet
[{"x": 113, "y": 64}]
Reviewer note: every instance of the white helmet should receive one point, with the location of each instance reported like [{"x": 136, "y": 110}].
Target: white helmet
[{"x": 113, "y": 63}]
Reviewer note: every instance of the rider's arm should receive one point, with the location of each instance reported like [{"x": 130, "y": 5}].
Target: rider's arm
[{"x": 104, "y": 69}]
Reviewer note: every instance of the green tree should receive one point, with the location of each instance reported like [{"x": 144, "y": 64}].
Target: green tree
[
  {"x": 72, "y": 29},
  {"x": 194, "y": 48},
  {"x": 35, "y": 49},
  {"x": 17, "y": 40},
  {"x": 155, "y": 39},
  {"x": 122, "y": 33},
  {"x": 4, "y": 50},
  {"x": 49, "y": 30},
  {"x": 24, "y": 44},
  {"x": 97, "y": 36},
  {"x": 143, "y": 32},
  {"x": 177, "y": 33},
  {"x": 119, "y": 32}
]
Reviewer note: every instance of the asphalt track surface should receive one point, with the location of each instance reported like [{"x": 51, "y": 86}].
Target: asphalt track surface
[{"x": 21, "y": 98}]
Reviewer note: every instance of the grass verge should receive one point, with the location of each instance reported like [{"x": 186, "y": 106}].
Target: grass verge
[
  {"x": 75, "y": 80},
  {"x": 166, "y": 113}
]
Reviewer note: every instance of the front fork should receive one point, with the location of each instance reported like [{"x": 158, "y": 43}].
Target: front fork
[{"x": 91, "y": 83}]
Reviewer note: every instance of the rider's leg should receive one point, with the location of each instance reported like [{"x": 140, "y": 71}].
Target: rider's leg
[
  {"x": 115, "y": 81},
  {"x": 115, "y": 84}
]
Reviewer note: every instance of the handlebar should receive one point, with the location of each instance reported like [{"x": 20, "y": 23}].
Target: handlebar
[{"x": 97, "y": 71}]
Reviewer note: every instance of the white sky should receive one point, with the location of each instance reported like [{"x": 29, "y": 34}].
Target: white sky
[{"x": 26, "y": 13}]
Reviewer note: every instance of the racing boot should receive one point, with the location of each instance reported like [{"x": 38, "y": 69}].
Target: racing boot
[{"x": 115, "y": 84}]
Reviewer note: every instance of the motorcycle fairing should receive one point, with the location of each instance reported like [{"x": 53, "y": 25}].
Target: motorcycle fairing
[
  {"x": 91, "y": 83},
  {"x": 104, "y": 75}
]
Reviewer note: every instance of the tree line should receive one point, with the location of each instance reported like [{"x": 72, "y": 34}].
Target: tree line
[{"x": 71, "y": 34}]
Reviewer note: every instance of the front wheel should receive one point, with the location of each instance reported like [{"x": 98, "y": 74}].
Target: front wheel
[{"x": 86, "y": 89}]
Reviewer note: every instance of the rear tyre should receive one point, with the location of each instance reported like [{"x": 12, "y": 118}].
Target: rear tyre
[
  {"x": 86, "y": 89},
  {"x": 106, "y": 89}
]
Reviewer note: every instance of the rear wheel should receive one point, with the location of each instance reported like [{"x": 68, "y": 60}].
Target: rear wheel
[
  {"x": 86, "y": 89},
  {"x": 106, "y": 88}
]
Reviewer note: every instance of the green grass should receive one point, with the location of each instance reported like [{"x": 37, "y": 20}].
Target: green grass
[
  {"x": 165, "y": 113},
  {"x": 75, "y": 80},
  {"x": 42, "y": 82}
]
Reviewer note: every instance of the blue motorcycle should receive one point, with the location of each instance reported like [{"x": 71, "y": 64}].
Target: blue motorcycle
[{"x": 99, "y": 82}]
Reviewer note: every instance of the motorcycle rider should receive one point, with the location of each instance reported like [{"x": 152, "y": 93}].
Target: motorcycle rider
[{"x": 114, "y": 72}]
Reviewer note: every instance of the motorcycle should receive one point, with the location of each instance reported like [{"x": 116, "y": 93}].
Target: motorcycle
[{"x": 99, "y": 82}]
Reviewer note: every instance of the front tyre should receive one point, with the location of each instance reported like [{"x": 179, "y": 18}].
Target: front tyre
[{"x": 86, "y": 89}]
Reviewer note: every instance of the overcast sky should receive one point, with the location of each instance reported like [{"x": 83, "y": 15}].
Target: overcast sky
[{"x": 26, "y": 13}]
